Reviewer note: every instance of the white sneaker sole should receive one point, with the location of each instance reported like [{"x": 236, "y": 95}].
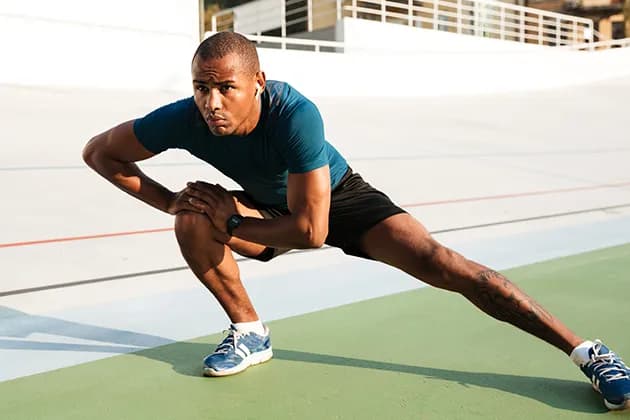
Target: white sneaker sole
[
  {"x": 251, "y": 360},
  {"x": 613, "y": 406}
]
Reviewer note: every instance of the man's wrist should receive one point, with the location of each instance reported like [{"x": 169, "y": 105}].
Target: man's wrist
[
  {"x": 170, "y": 203},
  {"x": 233, "y": 222}
]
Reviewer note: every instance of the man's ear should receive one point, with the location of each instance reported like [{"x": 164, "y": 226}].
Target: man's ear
[{"x": 260, "y": 83}]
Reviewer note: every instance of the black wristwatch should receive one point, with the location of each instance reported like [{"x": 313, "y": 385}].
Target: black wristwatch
[{"x": 233, "y": 222}]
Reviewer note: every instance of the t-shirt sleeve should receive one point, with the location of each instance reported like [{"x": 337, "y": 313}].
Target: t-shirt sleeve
[
  {"x": 166, "y": 127},
  {"x": 303, "y": 139}
]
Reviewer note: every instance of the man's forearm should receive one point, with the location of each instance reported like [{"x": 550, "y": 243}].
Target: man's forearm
[
  {"x": 129, "y": 178},
  {"x": 281, "y": 232}
]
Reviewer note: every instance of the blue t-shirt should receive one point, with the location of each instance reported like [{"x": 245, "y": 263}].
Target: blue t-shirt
[{"x": 289, "y": 138}]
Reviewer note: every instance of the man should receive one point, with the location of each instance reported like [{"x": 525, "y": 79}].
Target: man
[{"x": 298, "y": 192}]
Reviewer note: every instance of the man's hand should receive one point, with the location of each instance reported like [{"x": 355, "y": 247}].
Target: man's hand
[
  {"x": 182, "y": 201},
  {"x": 213, "y": 200}
]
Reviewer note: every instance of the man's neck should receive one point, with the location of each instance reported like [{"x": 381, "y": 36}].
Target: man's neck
[{"x": 251, "y": 124}]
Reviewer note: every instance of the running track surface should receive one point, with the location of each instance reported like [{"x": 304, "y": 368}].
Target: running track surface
[{"x": 423, "y": 354}]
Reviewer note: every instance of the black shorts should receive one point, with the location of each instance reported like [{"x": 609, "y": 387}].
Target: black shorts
[{"x": 355, "y": 207}]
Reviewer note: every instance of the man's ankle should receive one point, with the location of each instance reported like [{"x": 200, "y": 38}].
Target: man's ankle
[{"x": 252, "y": 326}]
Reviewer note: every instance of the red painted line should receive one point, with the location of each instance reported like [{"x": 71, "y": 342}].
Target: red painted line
[
  {"x": 81, "y": 238},
  {"x": 421, "y": 204}
]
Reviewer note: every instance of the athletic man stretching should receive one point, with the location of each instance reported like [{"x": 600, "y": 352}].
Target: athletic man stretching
[{"x": 298, "y": 192}]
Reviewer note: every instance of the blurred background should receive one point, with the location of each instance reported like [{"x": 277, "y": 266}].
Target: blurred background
[{"x": 610, "y": 17}]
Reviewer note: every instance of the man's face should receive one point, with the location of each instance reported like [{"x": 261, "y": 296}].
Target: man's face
[{"x": 226, "y": 94}]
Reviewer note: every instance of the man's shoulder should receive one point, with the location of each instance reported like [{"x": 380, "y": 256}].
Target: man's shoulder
[
  {"x": 179, "y": 110},
  {"x": 283, "y": 95},
  {"x": 277, "y": 89},
  {"x": 167, "y": 126},
  {"x": 182, "y": 112},
  {"x": 184, "y": 106},
  {"x": 285, "y": 100}
]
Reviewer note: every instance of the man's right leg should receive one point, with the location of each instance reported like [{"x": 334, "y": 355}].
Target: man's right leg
[{"x": 214, "y": 265}]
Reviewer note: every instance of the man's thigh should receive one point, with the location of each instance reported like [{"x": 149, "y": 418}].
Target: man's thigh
[
  {"x": 403, "y": 242},
  {"x": 398, "y": 240}
]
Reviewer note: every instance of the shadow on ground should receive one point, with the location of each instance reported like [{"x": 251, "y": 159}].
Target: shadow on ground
[{"x": 185, "y": 359}]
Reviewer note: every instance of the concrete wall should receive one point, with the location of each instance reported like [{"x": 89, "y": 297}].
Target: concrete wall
[
  {"x": 140, "y": 44},
  {"x": 324, "y": 34}
]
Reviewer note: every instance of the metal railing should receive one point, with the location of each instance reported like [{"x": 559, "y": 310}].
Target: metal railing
[
  {"x": 480, "y": 18},
  {"x": 284, "y": 43},
  {"x": 485, "y": 18},
  {"x": 317, "y": 45}
]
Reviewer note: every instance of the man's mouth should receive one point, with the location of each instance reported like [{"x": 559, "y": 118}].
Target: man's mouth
[{"x": 216, "y": 121}]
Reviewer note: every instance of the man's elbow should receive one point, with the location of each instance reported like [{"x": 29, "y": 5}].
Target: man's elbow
[
  {"x": 315, "y": 237},
  {"x": 89, "y": 153}
]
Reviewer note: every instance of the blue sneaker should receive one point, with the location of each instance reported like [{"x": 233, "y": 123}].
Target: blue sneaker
[
  {"x": 609, "y": 374},
  {"x": 237, "y": 352}
]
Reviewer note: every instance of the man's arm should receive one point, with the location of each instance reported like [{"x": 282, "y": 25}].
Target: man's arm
[
  {"x": 308, "y": 198},
  {"x": 112, "y": 154}
]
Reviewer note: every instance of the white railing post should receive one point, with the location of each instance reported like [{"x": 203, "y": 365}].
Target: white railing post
[
  {"x": 540, "y": 33},
  {"x": 383, "y": 11},
  {"x": 309, "y": 15},
  {"x": 575, "y": 32},
  {"x": 521, "y": 26},
  {"x": 502, "y": 22},
  {"x": 410, "y": 12},
  {"x": 558, "y": 30},
  {"x": 214, "y": 23},
  {"x": 459, "y": 16},
  {"x": 436, "y": 6},
  {"x": 283, "y": 22},
  {"x": 477, "y": 17},
  {"x": 339, "y": 11},
  {"x": 354, "y": 8}
]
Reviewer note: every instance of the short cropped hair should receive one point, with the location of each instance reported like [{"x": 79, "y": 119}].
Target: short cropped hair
[{"x": 224, "y": 43}]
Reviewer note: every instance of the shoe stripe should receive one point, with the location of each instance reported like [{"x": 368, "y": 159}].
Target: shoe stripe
[
  {"x": 244, "y": 349},
  {"x": 240, "y": 352}
]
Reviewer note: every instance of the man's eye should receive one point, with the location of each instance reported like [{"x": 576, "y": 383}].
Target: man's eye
[
  {"x": 226, "y": 88},
  {"x": 202, "y": 89}
]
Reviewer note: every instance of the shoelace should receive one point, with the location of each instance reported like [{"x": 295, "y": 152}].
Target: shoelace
[
  {"x": 229, "y": 342},
  {"x": 608, "y": 365}
]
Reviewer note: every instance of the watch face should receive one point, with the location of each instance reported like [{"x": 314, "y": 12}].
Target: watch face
[{"x": 233, "y": 222}]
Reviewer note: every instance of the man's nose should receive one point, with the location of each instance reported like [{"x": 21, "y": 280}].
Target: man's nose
[{"x": 213, "y": 101}]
